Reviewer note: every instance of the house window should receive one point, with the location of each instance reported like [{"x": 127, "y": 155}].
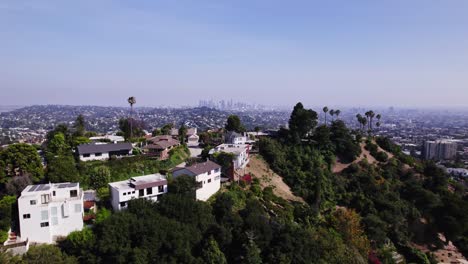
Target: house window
[
  {"x": 149, "y": 191},
  {"x": 123, "y": 204},
  {"x": 133, "y": 192},
  {"x": 199, "y": 185},
  {"x": 161, "y": 188},
  {"x": 141, "y": 192},
  {"x": 53, "y": 193},
  {"x": 77, "y": 208},
  {"x": 44, "y": 215},
  {"x": 32, "y": 202},
  {"x": 26, "y": 216},
  {"x": 98, "y": 154},
  {"x": 45, "y": 224},
  {"x": 45, "y": 198},
  {"x": 86, "y": 155},
  {"x": 209, "y": 180},
  {"x": 53, "y": 211},
  {"x": 217, "y": 170},
  {"x": 73, "y": 193},
  {"x": 209, "y": 172},
  {"x": 124, "y": 193}
]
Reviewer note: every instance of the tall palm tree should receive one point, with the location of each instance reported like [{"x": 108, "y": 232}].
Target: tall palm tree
[
  {"x": 371, "y": 116},
  {"x": 332, "y": 113},
  {"x": 378, "y": 116},
  {"x": 325, "y": 110},
  {"x": 337, "y": 113},
  {"x": 131, "y": 100},
  {"x": 359, "y": 119}
]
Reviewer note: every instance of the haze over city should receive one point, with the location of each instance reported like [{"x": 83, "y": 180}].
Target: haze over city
[{"x": 347, "y": 53}]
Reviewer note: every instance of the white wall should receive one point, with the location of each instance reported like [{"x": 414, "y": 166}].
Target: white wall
[
  {"x": 59, "y": 225},
  {"x": 104, "y": 156},
  {"x": 117, "y": 195},
  {"x": 211, "y": 183}
]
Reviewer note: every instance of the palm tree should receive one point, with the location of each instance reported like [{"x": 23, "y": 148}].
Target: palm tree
[
  {"x": 325, "y": 110},
  {"x": 359, "y": 119},
  {"x": 337, "y": 113},
  {"x": 131, "y": 100},
  {"x": 332, "y": 113},
  {"x": 378, "y": 116}
]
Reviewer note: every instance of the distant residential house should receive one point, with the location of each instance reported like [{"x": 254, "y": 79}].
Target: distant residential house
[
  {"x": 232, "y": 137},
  {"x": 160, "y": 146},
  {"x": 207, "y": 175},
  {"x": 150, "y": 187},
  {"x": 240, "y": 155},
  {"x": 48, "y": 212},
  {"x": 89, "y": 152},
  {"x": 192, "y": 138},
  {"x": 110, "y": 138}
]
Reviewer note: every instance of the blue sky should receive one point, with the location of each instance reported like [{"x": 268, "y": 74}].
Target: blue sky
[{"x": 344, "y": 53}]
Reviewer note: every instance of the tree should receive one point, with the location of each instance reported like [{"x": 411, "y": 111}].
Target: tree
[
  {"x": 337, "y": 113},
  {"x": 80, "y": 126},
  {"x": 212, "y": 254},
  {"x": 131, "y": 100},
  {"x": 183, "y": 185},
  {"x": 58, "y": 146},
  {"x": 182, "y": 133},
  {"x": 166, "y": 129},
  {"x": 62, "y": 169},
  {"x": 21, "y": 159},
  {"x": 234, "y": 124},
  {"x": 46, "y": 254},
  {"x": 325, "y": 110},
  {"x": 131, "y": 127},
  {"x": 332, "y": 113},
  {"x": 100, "y": 177},
  {"x": 301, "y": 122},
  {"x": 251, "y": 253}
]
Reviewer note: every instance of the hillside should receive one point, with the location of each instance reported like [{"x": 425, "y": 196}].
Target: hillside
[
  {"x": 365, "y": 154},
  {"x": 258, "y": 168}
]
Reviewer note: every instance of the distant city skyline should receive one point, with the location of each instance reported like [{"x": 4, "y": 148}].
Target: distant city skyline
[{"x": 274, "y": 53}]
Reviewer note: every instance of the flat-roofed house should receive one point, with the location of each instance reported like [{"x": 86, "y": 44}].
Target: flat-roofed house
[
  {"x": 150, "y": 187},
  {"x": 48, "y": 212},
  {"x": 207, "y": 175},
  {"x": 89, "y": 152}
]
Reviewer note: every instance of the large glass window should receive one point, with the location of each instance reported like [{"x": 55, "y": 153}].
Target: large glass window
[
  {"x": 149, "y": 191},
  {"x": 161, "y": 188},
  {"x": 32, "y": 202},
  {"x": 26, "y": 216},
  {"x": 45, "y": 224},
  {"x": 141, "y": 192}
]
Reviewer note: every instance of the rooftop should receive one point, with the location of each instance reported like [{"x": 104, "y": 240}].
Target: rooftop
[
  {"x": 230, "y": 148},
  {"x": 200, "y": 168},
  {"x": 141, "y": 182},
  {"x": 47, "y": 187},
  {"x": 103, "y": 148}
]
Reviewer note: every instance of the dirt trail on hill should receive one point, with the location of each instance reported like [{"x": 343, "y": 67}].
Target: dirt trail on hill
[
  {"x": 338, "y": 167},
  {"x": 258, "y": 168}
]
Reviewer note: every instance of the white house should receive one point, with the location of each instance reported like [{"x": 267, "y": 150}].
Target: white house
[
  {"x": 235, "y": 138},
  {"x": 111, "y": 138},
  {"x": 207, "y": 175},
  {"x": 48, "y": 212},
  {"x": 240, "y": 151},
  {"x": 151, "y": 187},
  {"x": 89, "y": 152}
]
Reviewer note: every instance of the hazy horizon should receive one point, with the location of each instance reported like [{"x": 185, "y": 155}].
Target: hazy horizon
[{"x": 406, "y": 54}]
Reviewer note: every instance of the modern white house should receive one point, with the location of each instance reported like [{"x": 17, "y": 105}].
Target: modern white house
[
  {"x": 51, "y": 211},
  {"x": 207, "y": 175},
  {"x": 235, "y": 138},
  {"x": 240, "y": 152},
  {"x": 89, "y": 152},
  {"x": 150, "y": 187}
]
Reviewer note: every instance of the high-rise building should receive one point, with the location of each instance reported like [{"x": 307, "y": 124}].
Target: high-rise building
[{"x": 439, "y": 150}]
